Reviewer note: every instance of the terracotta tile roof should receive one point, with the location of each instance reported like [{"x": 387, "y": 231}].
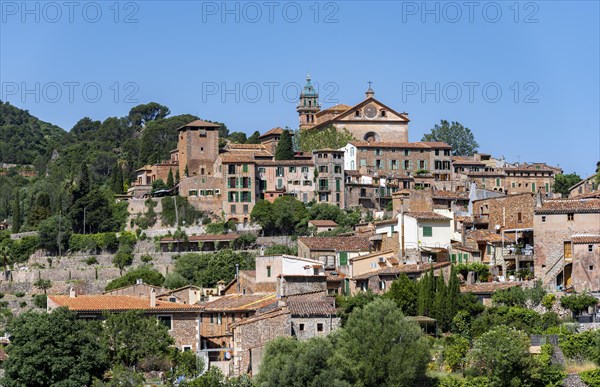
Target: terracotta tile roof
[
  {"x": 462, "y": 160},
  {"x": 285, "y": 163},
  {"x": 485, "y": 173},
  {"x": 272, "y": 132},
  {"x": 458, "y": 246},
  {"x": 339, "y": 108},
  {"x": 375, "y": 254},
  {"x": 385, "y": 222},
  {"x": 200, "y": 124},
  {"x": 205, "y": 238},
  {"x": 585, "y": 239},
  {"x": 485, "y": 236},
  {"x": 441, "y": 194},
  {"x": 237, "y": 158},
  {"x": 565, "y": 206},
  {"x": 322, "y": 223},
  {"x": 589, "y": 195},
  {"x": 239, "y": 302},
  {"x": 271, "y": 314},
  {"x": 403, "y": 145},
  {"x": 305, "y": 305},
  {"x": 408, "y": 269},
  {"x": 337, "y": 277},
  {"x": 105, "y": 302},
  {"x": 487, "y": 287},
  {"x": 425, "y": 215},
  {"x": 539, "y": 167},
  {"x": 246, "y": 146},
  {"x": 437, "y": 144},
  {"x": 345, "y": 243}
]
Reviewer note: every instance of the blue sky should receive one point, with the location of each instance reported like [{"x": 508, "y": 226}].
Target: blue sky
[{"x": 242, "y": 63}]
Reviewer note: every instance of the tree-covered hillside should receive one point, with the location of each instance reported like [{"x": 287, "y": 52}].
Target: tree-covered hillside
[{"x": 24, "y": 137}]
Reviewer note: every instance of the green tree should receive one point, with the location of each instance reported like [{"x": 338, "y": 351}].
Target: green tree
[
  {"x": 455, "y": 352},
  {"x": 43, "y": 284},
  {"x": 378, "y": 346},
  {"x": 501, "y": 354},
  {"x": 284, "y": 150},
  {"x": 52, "y": 349},
  {"x": 578, "y": 303},
  {"x": 54, "y": 234},
  {"x": 159, "y": 137},
  {"x": 329, "y": 137},
  {"x": 238, "y": 137},
  {"x": 262, "y": 214},
  {"x": 146, "y": 273},
  {"x": 209, "y": 268},
  {"x": 175, "y": 281},
  {"x": 404, "y": 293},
  {"x": 289, "y": 362},
  {"x": 116, "y": 179},
  {"x": 290, "y": 215},
  {"x": 170, "y": 180},
  {"x": 426, "y": 294},
  {"x": 563, "y": 182},
  {"x": 348, "y": 304},
  {"x": 456, "y": 135},
  {"x": 129, "y": 337},
  {"x": 141, "y": 114},
  {"x": 41, "y": 210},
  {"x": 254, "y": 138},
  {"x": 16, "y": 213}
]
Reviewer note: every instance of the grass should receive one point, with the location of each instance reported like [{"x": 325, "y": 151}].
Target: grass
[{"x": 575, "y": 367}]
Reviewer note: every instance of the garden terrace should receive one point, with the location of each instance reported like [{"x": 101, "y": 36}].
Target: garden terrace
[{"x": 197, "y": 243}]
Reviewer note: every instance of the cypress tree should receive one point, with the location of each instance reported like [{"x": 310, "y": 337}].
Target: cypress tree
[
  {"x": 439, "y": 304},
  {"x": 177, "y": 176},
  {"x": 170, "y": 181},
  {"x": 284, "y": 150},
  {"x": 17, "y": 223}
]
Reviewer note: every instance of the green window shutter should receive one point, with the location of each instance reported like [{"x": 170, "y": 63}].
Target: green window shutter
[
  {"x": 425, "y": 165},
  {"x": 237, "y": 196},
  {"x": 547, "y": 190},
  {"x": 338, "y": 185},
  {"x": 343, "y": 258},
  {"x": 489, "y": 249},
  {"x": 427, "y": 231},
  {"x": 532, "y": 187},
  {"x": 245, "y": 168},
  {"x": 453, "y": 258},
  {"x": 513, "y": 184},
  {"x": 249, "y": 183},
  {"x": 497, "y": 182},
  {"x": 460, "y": 257}
]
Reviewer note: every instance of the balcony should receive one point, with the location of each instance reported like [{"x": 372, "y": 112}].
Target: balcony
[
  {"x": 524, "y": 254},
  {"x": 323, "y": 188}
]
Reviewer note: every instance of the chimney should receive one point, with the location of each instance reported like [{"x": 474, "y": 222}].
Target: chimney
[
  {"x": 139, "y": 281},
  {"x": 539, "y": 200},
  {"x": 72, "y": 293},
  {"x": 153, "y": 298}
]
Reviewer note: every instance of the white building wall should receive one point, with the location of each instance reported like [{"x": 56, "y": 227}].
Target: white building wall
[{"x": 349, "y": 157}]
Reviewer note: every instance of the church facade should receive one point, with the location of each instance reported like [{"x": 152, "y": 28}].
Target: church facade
[{"x": 369, "y": 120}]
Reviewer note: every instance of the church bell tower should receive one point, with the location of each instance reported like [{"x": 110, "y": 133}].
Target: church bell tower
[{"x": 308, "y": 105}]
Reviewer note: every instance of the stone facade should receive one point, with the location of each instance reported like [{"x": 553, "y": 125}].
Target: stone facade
[
  {"x": 556, "y": 223},
  {"x": 586, "y": 264},
  {"x": 289, "y": 285},
  {"x": 508, "y": 212},
  {"x": 531, "y": 178},
  {"x": 305, "y": 328},
  {"x": 286, "y": 177},
  {"x": 329, "y": 177}
]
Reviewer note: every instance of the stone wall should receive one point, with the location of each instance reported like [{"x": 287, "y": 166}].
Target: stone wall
[
  {"x": 288, "y": 286},
  {"x": 308, "y": 327},
  {"x": 510, "y": 212}
]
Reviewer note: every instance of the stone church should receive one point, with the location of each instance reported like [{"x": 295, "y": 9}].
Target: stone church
[{"x": 370, "y": 120}]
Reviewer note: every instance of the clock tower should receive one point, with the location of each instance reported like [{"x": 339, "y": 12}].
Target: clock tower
[{"x": 308, "y": 105}]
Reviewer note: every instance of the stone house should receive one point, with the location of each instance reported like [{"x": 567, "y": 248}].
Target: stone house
[
  {"x": 556, "y": 223},
  {"x": 380, "y": 280},
  {"x": 490, "y": 246},
  {"x": 586, "y": 262},
  {"x": 139, "y": 289},
  {"x": 329, "y": 177},
  {"x": 585, "y": 186},
  {"x": 484, "y": 290},
  {"x": 531, "y": 178},
  {"x": 286, "y": 177},
  {"x": 322, "y": 225},
  {"x": 506, "y": 212},
  {"x": 302, "y": 316},
  {"x": 183, "y": 320},
  {"x": 374, "y": 189},
  {"x": 333, "y": 252},
  {"x": 189, "y": 294},
  {"x": 218, "y": 315},
  {"x": 148, "y": 174},
  {"x": 270, "y": 139}
]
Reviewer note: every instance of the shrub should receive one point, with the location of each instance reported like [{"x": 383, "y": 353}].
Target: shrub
[
  {"x": 149, "y": 275},
  {"x": 23, "y": 304},
  {"x": 40, "y": 300},
  {"x": 281, "y": 249},
  {"x": 578, "y": 303},
  {"x": 91, "y": 261},
  {"x": 19, "y": 294},
  {"x": 1, "y": 295},
  {"x": 591, "y": 378},
  {"x": 582, "y": 346},
  {"x": 146, "y": 258},
  {"x": 548, "y": 301},
  {"x": 175, "y": 281}
]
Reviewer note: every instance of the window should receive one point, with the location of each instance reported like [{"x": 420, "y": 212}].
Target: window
[
  {"x": 427, "y": 231},
  {"x": 363, "y": 162},
  {"x": 519, "y": 217},
  {"x": 437, "y": 152},
  {"x": 381, "y": 285},
  {"x": 172, "y": 299},
  {"x": 568, "y": 249},
  {"x": 231, "y": 169},
  {"x": 279, "y": 172},
  {"x": 304, "y": 169},
  {"x": 167, "y": 320},
  {"x": 407, "y": 152},
  {"x": 591, "y": 268},
  {"x": 373, "y": 265},
  {"x": 233, "y": 209},
  {"x": 292, "y": 169},
  {"x": 212, "y": 316},
  {"x": 343, "y": 258},
  {"x": 261, "y": 170},
  {"x": 543, "y": 218},
  {"x": 337, "y": 168},
  {"x": 590, "y": 248},
  {"x": 323, "y": 168},
  {"x": 245, "y": 168},
  {"x": 383, "y": 113},
  {"x": 245, "y": 208},
  {"x": 219, "y": 319},
  {"x": 489, "y": 249},
  {"x": 377, "y": 151},
  {"x": 570, "y": 216},
  {"x": 319, "y": 327},
  {"x": 186, "y": 348},
  {"x": 268, "y": 271},
  {"x": 301, "y": 327}
]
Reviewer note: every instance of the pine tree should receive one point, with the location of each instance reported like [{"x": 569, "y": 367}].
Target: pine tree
[
  {"x": 116, "y": 180},
  {"x": 284, "y": 150},
  {"x": 170, "y": 181},
  {"x": 17, "y": 217},
  {"x": 83, "y": 187},
  {"x": 254, "y": 138}
]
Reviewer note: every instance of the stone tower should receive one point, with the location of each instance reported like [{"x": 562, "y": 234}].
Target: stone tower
[{"x": 308, "y": 105}]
